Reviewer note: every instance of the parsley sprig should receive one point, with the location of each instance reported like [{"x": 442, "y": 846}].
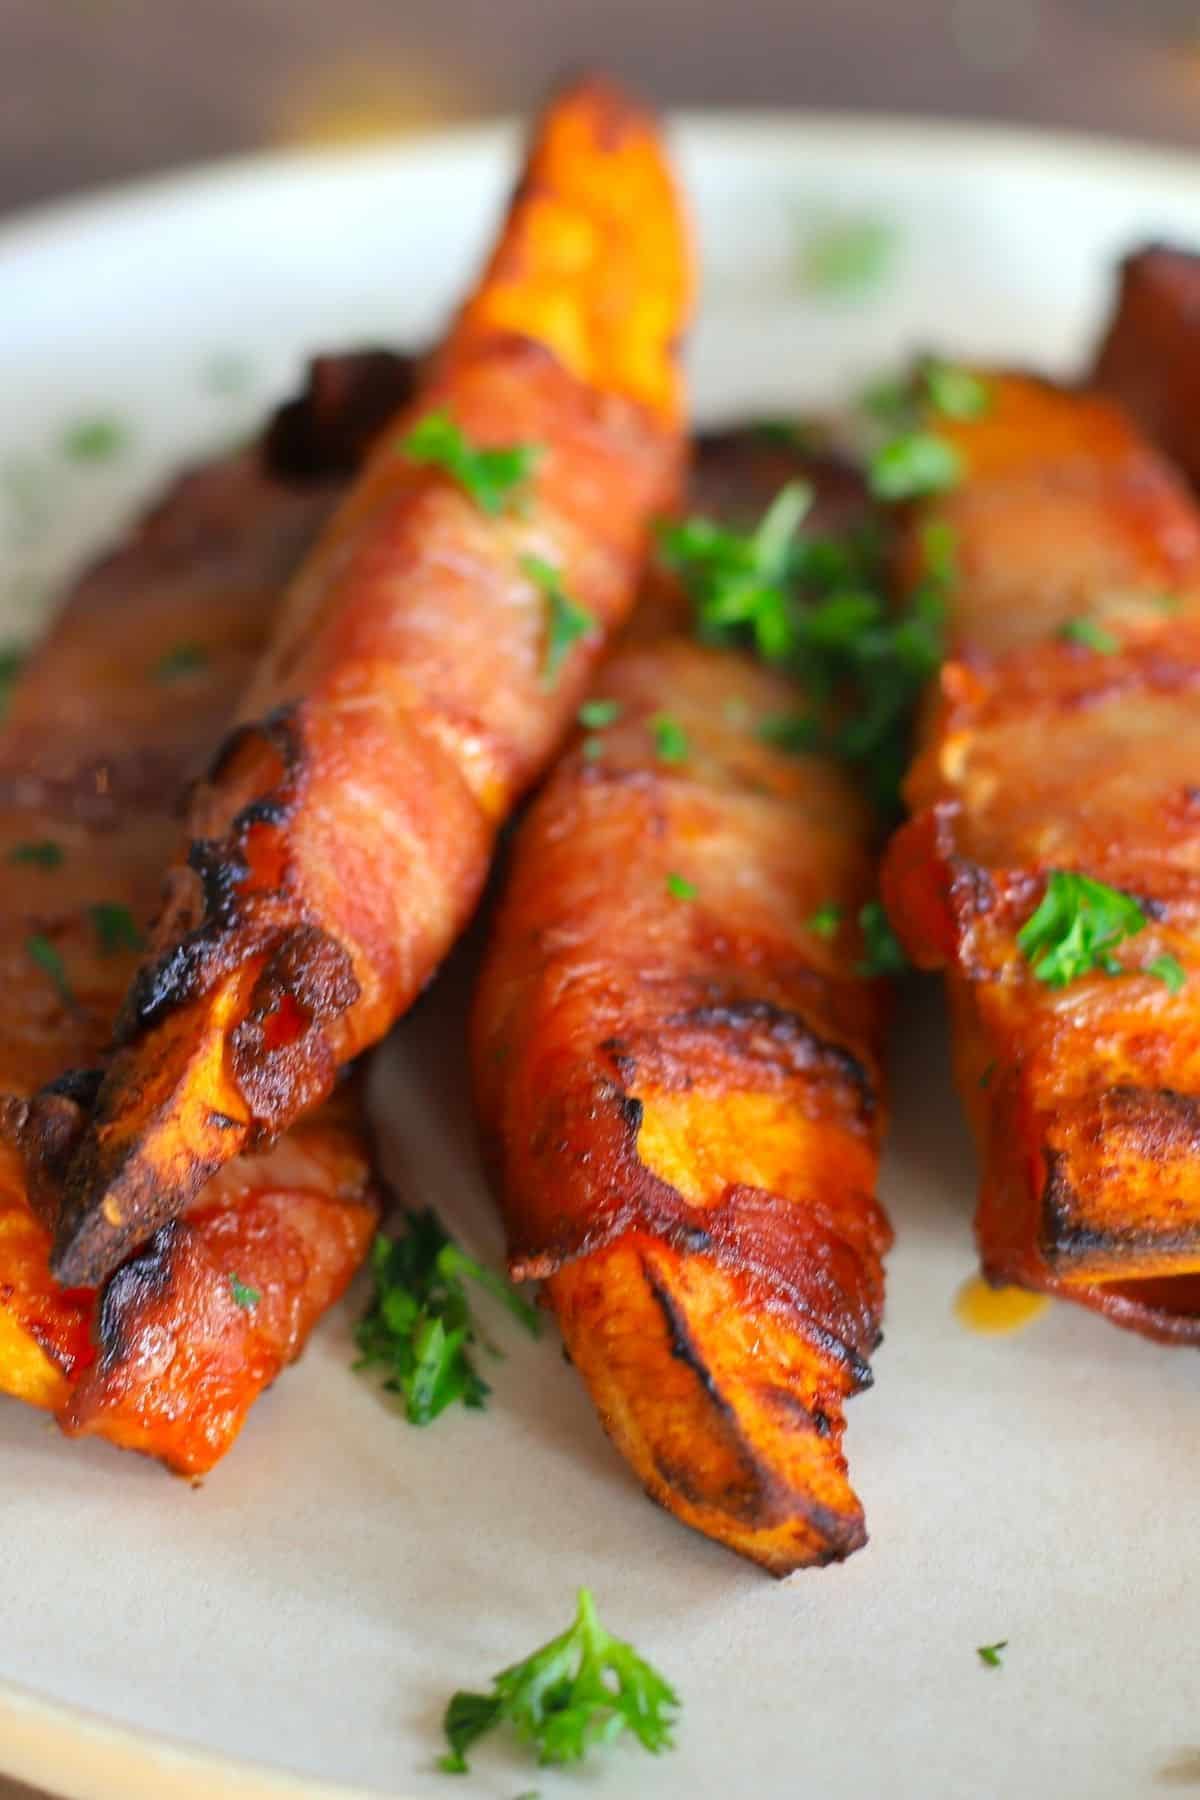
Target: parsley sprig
[
  {"x": 883, "y": 953},
  {"x": 989, "y": 1654},
  {"x": 419, "y": 1325},
  {"x": 581, "y": 1690},
  {"x": 912, "y": 460},
  {"x": 567, "y": 623},
  {"x": 1075, "y": 928},
  {"x": 493, "y": 479},
  {"x": 817, "y": 607}
]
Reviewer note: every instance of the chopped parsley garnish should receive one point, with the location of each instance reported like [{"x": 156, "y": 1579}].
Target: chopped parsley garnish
[
  {"x": 594, "y": 715},
  {"x": 793, "y": 732},
  {"x": 243, "y": 1296},
  {"x": 952, "y": 391},
  {"x": 989, "y": 1654},
  {"x": 849, "y": 257},
  {"x": 593, "y": 747},
  {"x": 95, "y": 439},
  {"x": 679, "y": 887},
  {"x": 581, "y": 1690},
  {"x": 913, "y": 466},
  {"x": 492, "y": 478},
  {"x": 670, "y": 739},
  {"x": 985, "y": 1080},
  {"x": 1091, "y": 635},
  {"x": 818, "y": 607},
  {"x": 1075, "y": 928},
  {"x": 566, "y": 621},
  {"x": 38, "y": 853},
  {"x": 801, "y": 436},
  {"x": 419, "y": 1325},
  {"x": 913, "y": 461},
  {"x": 115, "y": 928},
  {"x": 12, "y": 661},
  {"x": 180, "y": 661},
  {"x": 41, "y": 951},
  {"x": 883, "y": 954},
  {"x": 1169, "y": 970},
  {"x": 824, "y": 923}
]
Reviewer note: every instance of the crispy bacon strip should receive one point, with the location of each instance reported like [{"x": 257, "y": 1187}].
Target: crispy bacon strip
[
  {"x": 1149, "y": 359},
  {"x": 342, "y": 840},
  {"x": 1046, "y": 753},
  {"x": 108, "y": 720},
  {"x": 681, "y": 1095}
]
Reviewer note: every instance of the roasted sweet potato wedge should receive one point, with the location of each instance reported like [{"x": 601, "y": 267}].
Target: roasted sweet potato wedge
[
  {"x": 1149, "y": 357},
  {"x": 427, "y": 660},
  {"x": 678, "y": 1082},
  {"x": 170, "y": 1355},
  {"x": 1050, "y": 861}
]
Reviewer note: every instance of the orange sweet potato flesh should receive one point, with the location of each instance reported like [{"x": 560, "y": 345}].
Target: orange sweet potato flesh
[
  {"x": 1149, "y": 357},
  {"x": 681, "y": 1097},
  {"x": 1041, "y": 753},
  {"x": 344, "y": 835},
  {"x": 163, "y": 1358}
]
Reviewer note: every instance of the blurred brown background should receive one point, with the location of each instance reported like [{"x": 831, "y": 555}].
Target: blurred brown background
[{"x": 92, "y": 91}]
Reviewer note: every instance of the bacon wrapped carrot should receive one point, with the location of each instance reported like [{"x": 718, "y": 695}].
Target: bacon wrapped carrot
[
  {"x": 676, "y": 1062},
  {"x": 126, "y": 698},
  {"x": 1149, "y": 358},
  {"x": 428, "y": 658},
  {"x": 1050, "y": 862}
]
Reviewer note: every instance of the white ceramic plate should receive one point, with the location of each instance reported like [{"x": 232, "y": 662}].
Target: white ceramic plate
[{"x": 308, "y": 1611}]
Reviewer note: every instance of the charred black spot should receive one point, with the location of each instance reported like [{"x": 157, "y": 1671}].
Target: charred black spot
[
  {"x": 821, "y": 1422},
  {"x": 785, "y": 1031},
  {"x": 270, "y": 810},
  {"x": 680, "y": 1342},
  {"x": 80, "y": 1085},
  {"x": 221, "y": 1121},
  {"x": 134, "y": 1285},
  {"x": 159, "y": 986},
  {"x": 631, "y": 1110},
  {"x": 221, "y": 874}
]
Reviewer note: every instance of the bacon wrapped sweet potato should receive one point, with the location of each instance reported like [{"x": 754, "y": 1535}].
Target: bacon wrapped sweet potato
[
  {"x": 1149, "y": 359},
  {"x": 1050, "y": 862},
  {"x": 676, "y": 1064},
  {"x": 125, "y": 699},
  {"x": 428, "y": 658}
]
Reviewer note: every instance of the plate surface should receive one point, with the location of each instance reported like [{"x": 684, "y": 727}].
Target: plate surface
[{"x": 310, "y": 1608}]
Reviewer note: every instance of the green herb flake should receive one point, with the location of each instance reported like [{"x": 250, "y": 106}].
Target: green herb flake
[
  {"x": 1169, "y": 970},
  {"x": 670, "y": 739},
  {"x": 913, "y": 466},
  {"x": 793, "y": 732},
  {"x": 803, "y": 437},
  {"x": 985, "y": 1080},
  {"x": 97, "y": 438},
  {"x": 38, "y": 853},
  {"x": 115, "y": 927},
  {"x": 883, "y": 954},
  {"x": 952, "y": 391},
  {"x": 180, "y": 661},
  {"x": 493, "y": 479},
  {"x": 1090, "y": 635},
  {"x": 593, "y": 747},
  {"x": 419, "y": 1325},
  {"x": 41, "y": 951},
  {"x": 825, "y": 922},
  {"x": 594, "y": 715},
  {"x": 245, "y": 1297},
  {"x": 680, "y": 888},
  {"x": 567, "y": 623},
  {"x": 738, "y": 581},
  {"x": 12, "y": 661},
  {"x": 1075, "y": 928},
  {"x": 989, "y": 1654},
  {"x": 580, "y": 1691},
  {"x": 847, "y": 257}
]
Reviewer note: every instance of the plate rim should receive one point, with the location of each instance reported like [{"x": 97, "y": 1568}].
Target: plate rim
[{"x": 86, "y": 1755}]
